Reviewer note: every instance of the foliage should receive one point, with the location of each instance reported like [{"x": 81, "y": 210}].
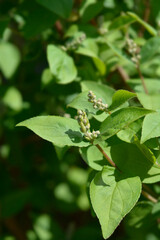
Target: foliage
[{"x": 98, "y": 59}]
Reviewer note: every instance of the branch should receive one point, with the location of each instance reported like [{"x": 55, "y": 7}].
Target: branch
[
  {"x": 107, "y": 157},
  {"x": 142, "y": 79},
  {"x": 149, "y": 197},
  {"x": 146, "y": 16},
  {"x": 124, "y": 77}
]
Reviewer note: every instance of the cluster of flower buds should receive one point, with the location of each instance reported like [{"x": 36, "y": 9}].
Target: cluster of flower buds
[
  {"x": 97, "y": 104},
  {"x": 134, "y": 51},
  {"x": 74, "y": 44},
  {"x": 85, "y": 126}
]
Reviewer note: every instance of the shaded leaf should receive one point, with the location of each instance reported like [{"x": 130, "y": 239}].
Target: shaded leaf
[
  {"x": 130, "y": 159},
  {"x": 61, "y": 8},
  {"x": 90, "y": 9},
  {"x": 97, "y": 61},
  {"x": 145, "y": 150}
]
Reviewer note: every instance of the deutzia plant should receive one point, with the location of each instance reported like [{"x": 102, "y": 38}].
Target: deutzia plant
[{"x": 108, "y": 121}]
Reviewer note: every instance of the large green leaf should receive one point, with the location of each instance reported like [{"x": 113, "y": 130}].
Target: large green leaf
[
  {"x": 61, "y": 8},
  {"x": 9, "y": 59},
  {"x": 150, "y": 49},
  {"x": 58, "y": 130},
  {"x": 61, "y": 65},
  {"x": 120, "y": 97},
  {"x": 113, "y": 195},
  {"x": 121, "y": 119},
  {"x": 151, "y": 126},
  {"x": 130, "y": 159}
]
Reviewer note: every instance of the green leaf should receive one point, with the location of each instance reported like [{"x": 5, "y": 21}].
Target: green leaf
[
  {"x": 130, "y": 159},
  {"x": 151, "y": 126},
  {"x": 10, "y": 59},
  {"x": 45, "y": 228},
  {"x": 4, "y": 21},
  {"x": 109, "y": 192},
  {"x": 61, "y": 65},
  {"x": 61, "y": 8},
  {"x": 32, "y": 14},
  {"x": 121, "y": 119},
  {"x": 14, "y": 202},
  {"x": 120, "y": 97},
  {"x": 145, "y": 150},
  {"x": 81, "y": 102},
  {"x": 90, "y": 9},
  {"x": 149, "y": 101},
  {"x": 119, "y": 53},
  {"x": 121, "y": 22},
  {"x": 127, "y": 134},
  {"x": 140, "y": 221},
  {"x": 94, "y": 158},
  {"x": 150, "y": 49},
  {"x": 153, "y": 85},
  {"x": 86, "y": 51},
  {"x": 101, "y": 91},
  {"x": 17, "y": 103},
  {"x": 148, "y": 27},
  {"x": 58, "y": 130}
]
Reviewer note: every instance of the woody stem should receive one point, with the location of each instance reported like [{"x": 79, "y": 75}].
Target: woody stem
[{"x": 107, "y": 157}]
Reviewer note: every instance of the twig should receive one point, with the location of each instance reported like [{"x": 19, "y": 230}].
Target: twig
[
  {"x": 146, "y": 188},
  {"x": 59, "y": 28},
  {"x": 107, "y": 157},
  {"x": 142, "y": 79},
  {"x": 146, "y": 16},
  {"x": 124, "y": 77},
  {"x": 149, "y": 197}
]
